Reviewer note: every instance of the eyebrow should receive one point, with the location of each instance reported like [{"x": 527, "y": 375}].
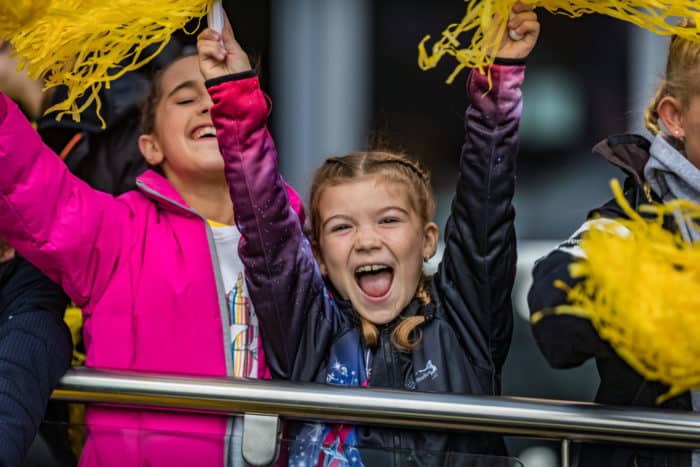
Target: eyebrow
[
  {"x": 185, "y": 84},
  {"x": 348, "y": 218},
  {"x": 334, "y": 217}
]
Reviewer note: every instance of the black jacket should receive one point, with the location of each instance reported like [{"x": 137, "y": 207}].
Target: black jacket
[
  {"x": 568, "y": 341},
  {"x": 310, "y": 336},
  {"x": 35, "y": 351}
]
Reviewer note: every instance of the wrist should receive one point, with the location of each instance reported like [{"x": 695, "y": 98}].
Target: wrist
[
  {"x": 230, "y": 77},
  {"x": 510, "y": 61}
]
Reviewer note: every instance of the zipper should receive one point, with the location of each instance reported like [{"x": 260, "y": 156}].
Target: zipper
[
  {"x": 218, "y": 280},
  {"x": 389, "y": 361},
  {"x": 223, "y": 308}
]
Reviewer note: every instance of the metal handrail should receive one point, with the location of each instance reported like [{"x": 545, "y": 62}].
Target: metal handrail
[{"x": 506, "y": 415}]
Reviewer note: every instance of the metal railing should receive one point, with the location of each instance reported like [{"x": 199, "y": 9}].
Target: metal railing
[{"x": 263, "y": 402}]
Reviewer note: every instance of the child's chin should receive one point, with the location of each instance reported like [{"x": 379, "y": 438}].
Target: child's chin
[{"x": 378, "y": 317}]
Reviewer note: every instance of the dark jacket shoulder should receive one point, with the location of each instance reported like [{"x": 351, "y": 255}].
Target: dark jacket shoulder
[{"x": 35, "y": 351}]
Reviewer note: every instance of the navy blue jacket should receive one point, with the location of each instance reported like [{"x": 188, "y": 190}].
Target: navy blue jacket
[
  {"x": 35, "y": 351},
  {"x": 568, "y": 341}
]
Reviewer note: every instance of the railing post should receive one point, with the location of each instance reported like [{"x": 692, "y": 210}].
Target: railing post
[
  {"x": 565, "y": 455},
  {"x": 261, "y": 439}
]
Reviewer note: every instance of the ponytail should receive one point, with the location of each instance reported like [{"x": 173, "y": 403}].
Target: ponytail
[{"x": 651, "y": 114}]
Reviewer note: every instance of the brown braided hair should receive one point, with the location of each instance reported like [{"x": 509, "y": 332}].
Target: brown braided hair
[
  {"x": 681, "y": 77},
  {"x": 396, "y": 168}
]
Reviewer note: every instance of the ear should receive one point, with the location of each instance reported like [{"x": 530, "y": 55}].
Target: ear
[
  {"x": 670, "y": 114},
  {"x": 430, "y": 239},
  {"x": 150, "y": 148}
]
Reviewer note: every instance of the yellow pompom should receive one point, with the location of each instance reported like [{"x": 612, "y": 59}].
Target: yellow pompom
[
  {"x": 640, "y": 291},
  {"x": 86, "y": 44},
  {"x": 19, "y": 14},
  {"x": 488, "y": 19}
]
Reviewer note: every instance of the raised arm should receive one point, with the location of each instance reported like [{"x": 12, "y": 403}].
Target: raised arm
[
  {"x": 477, "y": 272},
  {"x": 56, "y": 221},
  {"x": 296, "y": 318}
]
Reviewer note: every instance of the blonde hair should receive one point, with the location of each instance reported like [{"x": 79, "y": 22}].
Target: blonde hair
[
  {"x": 395, "y": 168},
  {"x": 681, "y": 77}
]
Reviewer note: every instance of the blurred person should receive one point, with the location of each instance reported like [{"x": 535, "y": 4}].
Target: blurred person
[
  {"x": 155, "y": 270},
  {"x": 664, "y": 169},
  {"x": 108, "y": 158},
  {"x": 365, "y": 314}
]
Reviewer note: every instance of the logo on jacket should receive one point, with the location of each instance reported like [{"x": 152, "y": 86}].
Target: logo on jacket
[{"x": 430, "y": 371}]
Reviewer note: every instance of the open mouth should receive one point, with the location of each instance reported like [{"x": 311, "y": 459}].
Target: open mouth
[
  {"x": 375, "y": 280},
  {"x": 202, "y": 132}
]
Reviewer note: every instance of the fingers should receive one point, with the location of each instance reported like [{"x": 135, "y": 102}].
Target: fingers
[
  {"x": 522, "y": 32},
  {"x": 523, "y": 23},
  {"x": 209, "y": 45},
  {"x": 519, "y": 7},
  {"x": 516, "y": 20},
  {"x": 527, "y": 27},
  {"x": 228, "y": 36}
]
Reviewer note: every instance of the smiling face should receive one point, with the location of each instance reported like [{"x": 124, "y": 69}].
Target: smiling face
[
  {"x": 371, "y": 244},
  {"x": 183, "y": 139}
]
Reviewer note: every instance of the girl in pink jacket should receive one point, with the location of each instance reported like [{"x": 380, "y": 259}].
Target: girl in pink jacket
[{"x": 155, "y": 271}]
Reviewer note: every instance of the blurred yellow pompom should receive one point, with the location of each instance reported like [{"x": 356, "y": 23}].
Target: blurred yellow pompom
[
  {"x": 19, "y": 14},
  {"x": 488, "y": 19},
  {"x": 86, "y": 44},
  {"x": 640, "y": 291}
]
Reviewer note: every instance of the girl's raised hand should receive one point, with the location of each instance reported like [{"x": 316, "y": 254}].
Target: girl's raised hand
[
  {"x": 221, "y": 54},
  {"x": 521, "y": 34}
]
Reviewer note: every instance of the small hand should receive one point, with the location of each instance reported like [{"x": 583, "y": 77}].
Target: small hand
[
  {"x": 521, "y": 34},
  {"x": 221, "y": 54}
]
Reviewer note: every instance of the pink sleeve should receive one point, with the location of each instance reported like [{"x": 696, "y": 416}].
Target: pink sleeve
[{"x": 56, "y": 221}]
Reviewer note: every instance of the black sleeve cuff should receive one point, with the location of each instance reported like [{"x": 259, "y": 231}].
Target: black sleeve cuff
[
  {"x": 232, "y": 77},
  {"x": 510, "y": 61}
]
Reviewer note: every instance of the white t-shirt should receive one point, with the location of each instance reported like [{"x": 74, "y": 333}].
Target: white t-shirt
[
  {"x": 245, "y": 334},
  {"x": 241, "y": 315}
]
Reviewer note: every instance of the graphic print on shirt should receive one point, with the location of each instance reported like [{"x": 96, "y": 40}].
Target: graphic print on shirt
[
  {"x": 430, "y": 371},
  {"x": 334, "y": 445},
  {"x": 244, "y": 331}
]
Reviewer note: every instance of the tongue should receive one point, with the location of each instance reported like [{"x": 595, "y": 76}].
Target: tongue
[{"x": 376, "y": 284}]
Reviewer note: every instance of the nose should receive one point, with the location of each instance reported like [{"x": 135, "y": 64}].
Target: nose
[
  {"x": 206, "y": 104},
  {"x": 367, "y": 239}
]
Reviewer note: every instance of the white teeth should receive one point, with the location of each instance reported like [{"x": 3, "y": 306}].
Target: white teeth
[
  {"x": 204, "y": 131},
  {"x": 371, "y": 268}
]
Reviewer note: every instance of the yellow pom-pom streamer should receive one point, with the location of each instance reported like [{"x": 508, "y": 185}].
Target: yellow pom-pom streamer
[
  {"x": 16, "y": 15},
  {"x": 640, "y": 291},
  {"x": 488, "y": 19},
  {"x": 86, "y": 44}
]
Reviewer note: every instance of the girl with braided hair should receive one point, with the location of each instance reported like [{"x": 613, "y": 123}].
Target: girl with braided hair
[
  {"x": 352, "y": 306},
  {"x": 666, "y": 169}
]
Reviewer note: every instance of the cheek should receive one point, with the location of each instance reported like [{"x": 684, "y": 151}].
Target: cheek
[
  {"x": 409, "y": 242},
  {"x": 332, "y": 250}
]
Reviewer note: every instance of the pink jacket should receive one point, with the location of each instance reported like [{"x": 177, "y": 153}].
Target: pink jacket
[{"x": 141, "y": 266}]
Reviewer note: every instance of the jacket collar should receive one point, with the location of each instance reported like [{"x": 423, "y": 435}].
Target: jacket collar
[
  {"x": 628, "y": 152},
  {"x": 159, "y": 189}
]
